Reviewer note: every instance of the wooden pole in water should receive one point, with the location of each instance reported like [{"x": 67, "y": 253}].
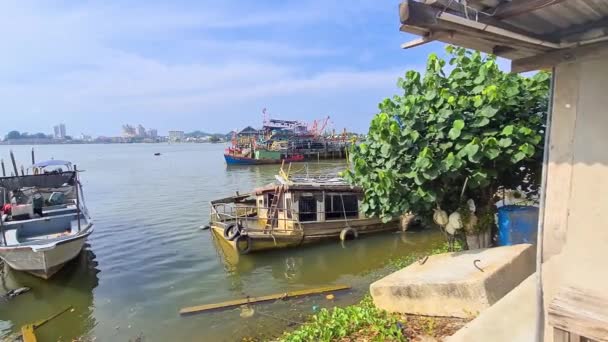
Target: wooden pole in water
[
  {"x": 22, "y": 170},
  {"x": 3, "y": 169},
  {"x": 77, "y": 197},
  {"x": 251, "y": 300},
  {"x": 14, "y": 164},
  {"x": 33, "y": 157}
]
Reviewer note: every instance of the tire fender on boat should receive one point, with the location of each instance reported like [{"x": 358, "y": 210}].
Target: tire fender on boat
[
  {"x": 232, "y": 231},
  {"x": 347, "y": 233},
  {"x": 238, "y": 242}
]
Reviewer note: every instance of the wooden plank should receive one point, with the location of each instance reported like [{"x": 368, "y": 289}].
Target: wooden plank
[
  {"x": 251, "y": 300},
  {"x": 560, "y": 335},
  {"x": 553, "y": 58},
  {"x": 580, "y": 312},
  {"x": 27, "y": 333},
  {"x": 509, "y": 9},
  {"x": 430, "y": 37},
  {"x": 413, "y": 30}
]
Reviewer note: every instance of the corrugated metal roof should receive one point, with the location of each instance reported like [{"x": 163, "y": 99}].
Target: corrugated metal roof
[
  {"x": 514, "y": 29},
  {"x": 562, "y": 15}
]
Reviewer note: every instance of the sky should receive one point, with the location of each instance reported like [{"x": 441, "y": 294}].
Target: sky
[{"x": 198, "y": 64}]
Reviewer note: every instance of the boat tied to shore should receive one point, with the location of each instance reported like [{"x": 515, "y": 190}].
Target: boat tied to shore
[
  {"x": 300, "y": 208},
  {"x": 281, "y": 141},
  {"x": 44, "y": 221}
]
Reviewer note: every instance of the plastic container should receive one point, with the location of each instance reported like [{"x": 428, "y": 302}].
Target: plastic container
[
  {"x": 517, "y": 224},
  {"x": 22, "y": 211}
]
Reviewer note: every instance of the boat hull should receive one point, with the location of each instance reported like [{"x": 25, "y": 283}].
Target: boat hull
[
  {"x": 313, "y": 233},
  {"x": 43, "y": 263},
  {"x": 238, "y": 160}
]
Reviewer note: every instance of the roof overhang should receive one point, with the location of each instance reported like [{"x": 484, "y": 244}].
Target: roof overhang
[{"x": 534, "y": 34}]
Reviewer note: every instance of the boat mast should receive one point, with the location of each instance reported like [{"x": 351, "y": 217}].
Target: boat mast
[{"x": 14, "y": 164}]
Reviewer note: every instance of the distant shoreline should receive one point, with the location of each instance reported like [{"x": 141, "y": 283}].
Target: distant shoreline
[{"x": 5, "y": 143}]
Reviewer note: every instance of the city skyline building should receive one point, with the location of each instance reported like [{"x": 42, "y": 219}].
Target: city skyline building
[
  {"x": 153, "y": 133},
  {"x": 176, "y": 136},
  {"x": 141, "y": 131},
  {"x": 59, "y": 131}
]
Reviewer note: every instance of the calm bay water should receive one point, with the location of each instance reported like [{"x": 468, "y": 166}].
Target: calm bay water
[{"x": 148, "y": 257}]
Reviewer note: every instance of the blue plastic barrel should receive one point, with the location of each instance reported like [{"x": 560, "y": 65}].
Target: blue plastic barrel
[{"x": 517, "y": 224}]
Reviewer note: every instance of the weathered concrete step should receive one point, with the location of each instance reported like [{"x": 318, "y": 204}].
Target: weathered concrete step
[{"x": 450, "y": 284}]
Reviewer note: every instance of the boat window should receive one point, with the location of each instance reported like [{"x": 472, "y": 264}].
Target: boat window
[
  {"x": 307, "y": 208},
  {"x": 337, "y": 205},
  {"x": 268, "y": 198}
]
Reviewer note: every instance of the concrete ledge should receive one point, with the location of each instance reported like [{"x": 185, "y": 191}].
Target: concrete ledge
[
  {"x": 513, "y": 318},
  {"x": 450, "y": 284}
]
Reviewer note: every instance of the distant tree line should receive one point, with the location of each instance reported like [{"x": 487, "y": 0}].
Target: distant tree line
[
  {"x": 213, "y": 137},
  {"x": 16, "y": 135}
]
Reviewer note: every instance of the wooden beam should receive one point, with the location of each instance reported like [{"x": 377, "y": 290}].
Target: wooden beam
[
  {"x": 550, "y": 59},
  {"x": 27, "y": 333},
  {"x": 580, "y": 313},
  {"x": 413, "y": 30},
  {"x": 430, "y": 37},
  {"x": 485, "y": 44},
  {"x": 251, "y": 300},
  {"x": 509, "y": 9}
]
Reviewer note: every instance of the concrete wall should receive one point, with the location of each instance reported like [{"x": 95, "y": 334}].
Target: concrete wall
[{"x": 576, "y": 208}]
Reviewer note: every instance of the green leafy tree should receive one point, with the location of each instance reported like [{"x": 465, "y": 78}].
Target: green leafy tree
[{"x": 451, "y": 137}]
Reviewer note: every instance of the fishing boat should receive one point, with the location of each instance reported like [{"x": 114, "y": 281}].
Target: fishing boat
[
  {"x": 245, "y": 156},
  {"x": 287, "y": 141},
  {"x": 44, "y": 221},
  {"x": 298, "y": 209}
]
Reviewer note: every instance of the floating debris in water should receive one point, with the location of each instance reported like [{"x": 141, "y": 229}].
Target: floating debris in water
[
  {"x": 247, "y": 311},
  {"x": 15, "y": 292},
  {"x": 330, "y": 297}
]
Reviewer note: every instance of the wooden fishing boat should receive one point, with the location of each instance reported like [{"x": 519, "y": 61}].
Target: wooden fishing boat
[
  {"x": 237, "y": 156},
  {"x": 44, "y": 222},
  {"x": 296, "y": 210}
]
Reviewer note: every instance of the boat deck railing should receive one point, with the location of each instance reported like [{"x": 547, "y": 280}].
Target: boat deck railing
[
  {"x": 304, "y": 175},
  {"x": 248, "y": 217}
]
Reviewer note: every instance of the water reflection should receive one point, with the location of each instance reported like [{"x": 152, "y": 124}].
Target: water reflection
[
  {"x": 327, "y": 262},
  {"x": 72, "y": 286}
]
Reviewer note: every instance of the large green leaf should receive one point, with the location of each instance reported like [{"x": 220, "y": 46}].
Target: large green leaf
[
  {"x": 508, "y": 130},
  {"x": 430, "y": 95},
  {"x": 457, "y": 127},
  {"x": 488, "y": 111},
  {"x": 480, "y": 122},
  {"x": 385, "y": 149},
  {"x": 505, "y": 142},
  {"x": 491, "y": 152}
]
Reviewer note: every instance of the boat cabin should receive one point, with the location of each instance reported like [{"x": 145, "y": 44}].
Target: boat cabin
[{"x": 306, "y": 203}]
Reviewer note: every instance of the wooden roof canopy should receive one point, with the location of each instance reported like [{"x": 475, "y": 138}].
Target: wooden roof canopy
[{"x": 534, "y": 34}]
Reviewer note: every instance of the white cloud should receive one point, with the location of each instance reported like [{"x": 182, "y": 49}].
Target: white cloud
[{"x": 76, "y": 63}]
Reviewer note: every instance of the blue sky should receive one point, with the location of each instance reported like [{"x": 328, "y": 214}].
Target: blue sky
[{"x": 207, "y": 65}]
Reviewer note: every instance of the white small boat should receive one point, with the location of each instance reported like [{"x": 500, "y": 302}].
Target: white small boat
[{"x": 44, "y": 222}]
